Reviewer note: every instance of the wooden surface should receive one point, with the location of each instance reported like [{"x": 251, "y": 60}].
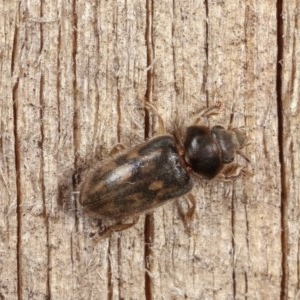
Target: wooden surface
[{"x": 74, "y": 75}]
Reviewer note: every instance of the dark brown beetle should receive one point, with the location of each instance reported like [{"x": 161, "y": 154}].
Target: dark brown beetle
[{"x": 160, "y": 169}]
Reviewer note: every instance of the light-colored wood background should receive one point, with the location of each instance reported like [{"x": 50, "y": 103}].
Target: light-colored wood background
[{"x": 73, "y": 77}]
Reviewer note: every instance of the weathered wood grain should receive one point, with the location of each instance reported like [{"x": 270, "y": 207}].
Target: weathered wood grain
[{"x": 74, "y": 76}]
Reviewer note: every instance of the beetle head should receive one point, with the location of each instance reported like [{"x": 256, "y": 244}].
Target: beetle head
[{"x": 207, "y": 150}]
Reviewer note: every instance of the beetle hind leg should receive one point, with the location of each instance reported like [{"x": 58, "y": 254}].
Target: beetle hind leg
[
  {"x": 108, "y": 231},
  {"x": 116, "y": 149}
]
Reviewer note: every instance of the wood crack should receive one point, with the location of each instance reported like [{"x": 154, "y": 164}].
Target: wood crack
[
  {"x": 281, "y": 134},
  {"x": 149, "y": 222}
]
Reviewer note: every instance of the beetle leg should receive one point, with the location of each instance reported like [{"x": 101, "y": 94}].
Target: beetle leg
[
  {"x": 187, "y": 216},
  {"x": 116, "y": 149},
  {"x": 178, "y": 133},
  {"x": 234, "y": 171},
  {"x": 161, "y": 124},
  {"x": 243, "y": 155},
  {"x": 209, "y": 111},
  {"x": 107, "y": 232}
]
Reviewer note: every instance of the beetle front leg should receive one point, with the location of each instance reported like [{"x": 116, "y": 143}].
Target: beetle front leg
[
  {"x": 234, "y": 171},
  {"x": 207, "y": 112}
]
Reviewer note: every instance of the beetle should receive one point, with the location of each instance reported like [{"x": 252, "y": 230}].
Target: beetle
[{"x": 161, "y": 169}]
